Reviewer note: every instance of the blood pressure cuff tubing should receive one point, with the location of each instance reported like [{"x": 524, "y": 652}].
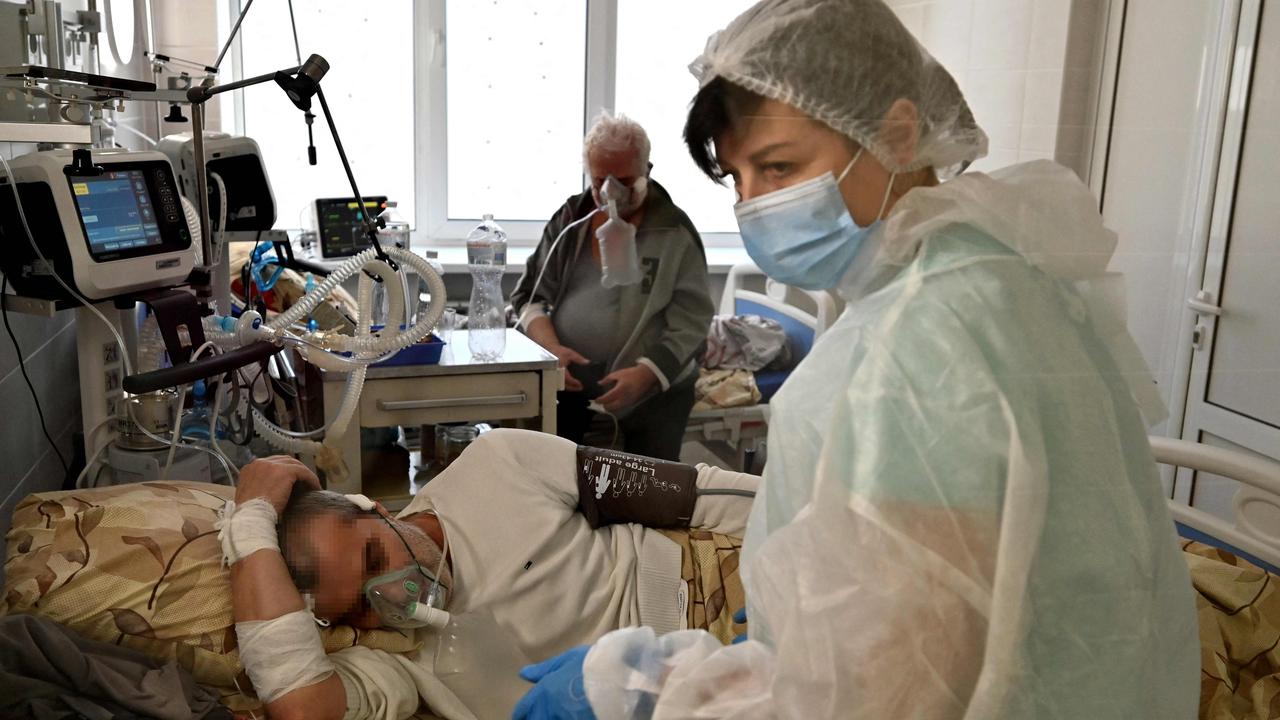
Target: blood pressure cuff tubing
[{"x": 616, "y": 487}]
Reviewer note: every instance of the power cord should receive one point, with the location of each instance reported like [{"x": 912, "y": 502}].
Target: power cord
[
  {"x": 22, "y": 365},
  {"x": 596, "y": 407}
]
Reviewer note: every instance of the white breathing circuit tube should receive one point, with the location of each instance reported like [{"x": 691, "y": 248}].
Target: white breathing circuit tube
[
  {"x": 275, "y": 435},
  {"x": 365, "y": 347}
]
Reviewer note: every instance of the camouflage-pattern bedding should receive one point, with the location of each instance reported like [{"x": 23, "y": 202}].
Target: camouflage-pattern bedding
[
  {"x": 1239, "y": 609},
  {"x": 140, "y": 565}
]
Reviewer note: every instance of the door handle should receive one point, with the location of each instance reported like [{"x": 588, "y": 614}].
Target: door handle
[
  {"x": 477, "y": 401},
  {"x": 1203, "y": 304}
]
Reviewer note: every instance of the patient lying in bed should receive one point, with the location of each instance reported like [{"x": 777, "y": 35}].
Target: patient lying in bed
[{"x": 518, "y": 547}]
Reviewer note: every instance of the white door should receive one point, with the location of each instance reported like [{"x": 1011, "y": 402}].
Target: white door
[{"x": 1233, "y": 393}]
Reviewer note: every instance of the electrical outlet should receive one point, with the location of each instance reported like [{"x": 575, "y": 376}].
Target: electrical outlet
[
  {"x": 112, "y": 380},
  {"x": 110, "y": 354}
]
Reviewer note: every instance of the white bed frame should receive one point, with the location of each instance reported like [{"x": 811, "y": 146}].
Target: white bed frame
[
  {"x": 734, "y": 433},
  {"x": 1256, "y": 526}
]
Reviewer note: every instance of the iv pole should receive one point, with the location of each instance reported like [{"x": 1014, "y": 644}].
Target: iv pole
[{"x": 300, "y": 84}]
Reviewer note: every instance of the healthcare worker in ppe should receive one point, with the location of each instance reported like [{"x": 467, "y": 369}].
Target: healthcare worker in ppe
[{"x": 960, "y": 516}]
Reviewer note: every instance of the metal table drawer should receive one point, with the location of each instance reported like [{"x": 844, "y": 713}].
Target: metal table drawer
[{"x": 406, "y": 401}]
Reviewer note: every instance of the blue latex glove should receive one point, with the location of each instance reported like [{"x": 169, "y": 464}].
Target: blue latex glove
[
  {"x": 740, "y": 618},
  {"x": 558, "y": 692}
]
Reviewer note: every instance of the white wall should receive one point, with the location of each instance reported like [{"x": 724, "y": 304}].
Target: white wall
[
  {"x": 1009, "y": 58},
  {"x": 1031, "y": 72},
  {"x": 188, "y": 29}
]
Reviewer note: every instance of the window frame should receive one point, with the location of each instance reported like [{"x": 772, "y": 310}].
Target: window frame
[{"x": 431, "y": 224}]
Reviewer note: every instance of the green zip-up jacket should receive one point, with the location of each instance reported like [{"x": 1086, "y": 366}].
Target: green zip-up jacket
[{"x": 669, "y": 310}]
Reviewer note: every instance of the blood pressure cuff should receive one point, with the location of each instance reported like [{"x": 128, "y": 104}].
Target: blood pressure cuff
[{"x": 616, "y": 487}]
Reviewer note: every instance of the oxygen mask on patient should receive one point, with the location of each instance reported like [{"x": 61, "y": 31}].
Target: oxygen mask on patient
[
  {"x": 411, "y": 596},
  {"x": 408, "y": 598}
]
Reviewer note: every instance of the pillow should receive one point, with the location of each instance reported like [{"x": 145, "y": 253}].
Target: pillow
[{"x": 140, "y": 565}]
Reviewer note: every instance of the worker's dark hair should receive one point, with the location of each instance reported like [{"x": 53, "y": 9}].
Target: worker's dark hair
[
  {"x": 714, "y": 110},
  {"x": 306, "y": 504}
]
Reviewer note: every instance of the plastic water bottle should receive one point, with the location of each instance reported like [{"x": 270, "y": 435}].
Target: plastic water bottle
[
  {"x": 395, "y": 231},
  {"x": 487, "y": 316},
  {"x": 151, "y": 349}
]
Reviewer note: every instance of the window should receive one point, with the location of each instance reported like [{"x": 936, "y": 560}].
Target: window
[
  {"x": 370, "y": 49},
  {"x": 458, "y": 108},
  {"x": 514, "y": 87},
  {"x": 654, "y": 87}
]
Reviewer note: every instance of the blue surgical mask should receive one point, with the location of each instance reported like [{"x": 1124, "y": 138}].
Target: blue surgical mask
[{"x": 803, "y": 235}]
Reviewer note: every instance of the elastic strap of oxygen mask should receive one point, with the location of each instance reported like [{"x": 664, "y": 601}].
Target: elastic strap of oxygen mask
[{"x": 364, "y": 503}]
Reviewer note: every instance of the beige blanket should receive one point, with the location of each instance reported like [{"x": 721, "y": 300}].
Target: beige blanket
[
  {"x": 1239, "y": 609},
  {"x": 141, "y": 566}
]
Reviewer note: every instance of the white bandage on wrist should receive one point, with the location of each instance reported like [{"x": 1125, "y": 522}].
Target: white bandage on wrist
[
  {"x": 283, "y": 654},
  {"x": 245, "y": 529}
]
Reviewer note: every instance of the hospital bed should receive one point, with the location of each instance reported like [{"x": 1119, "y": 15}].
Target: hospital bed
[
  {"x": 1254, "y": 532},
  {"x": 1251, "y": 535},
  {"x": 804, "y": 316},
  {"x": 1237, "y": 603}
]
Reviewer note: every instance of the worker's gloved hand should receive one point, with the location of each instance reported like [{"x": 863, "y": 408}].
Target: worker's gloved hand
[
  {"x": 558, "y": 691},
  {"x": 740, "y": 618}
]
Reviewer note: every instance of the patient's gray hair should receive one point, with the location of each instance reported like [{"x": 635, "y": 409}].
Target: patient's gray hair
[
  {"x": 305, "y": 505},
  {"x": 617, "y": 134}
]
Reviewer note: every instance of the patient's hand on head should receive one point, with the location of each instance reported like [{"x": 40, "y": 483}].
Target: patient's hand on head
[
  {"x": 332, "y": 548},
  {"x": 274, "y": 479}
]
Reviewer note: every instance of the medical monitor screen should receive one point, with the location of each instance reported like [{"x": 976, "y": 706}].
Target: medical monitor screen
[
  {"x": 117, "y": 211},
  {"x": 340, "y": 224}
]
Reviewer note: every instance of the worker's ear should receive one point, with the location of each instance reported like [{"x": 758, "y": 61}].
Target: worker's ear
[{"x": 900, "y": 130}]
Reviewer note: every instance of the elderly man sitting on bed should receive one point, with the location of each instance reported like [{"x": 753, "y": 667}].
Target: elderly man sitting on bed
[{"x": 556, "y": 567}]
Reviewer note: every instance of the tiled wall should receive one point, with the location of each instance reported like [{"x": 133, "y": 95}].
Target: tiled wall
[
  {"x": 1009, "y": 58},
  {"x": 27, "y": 464}
]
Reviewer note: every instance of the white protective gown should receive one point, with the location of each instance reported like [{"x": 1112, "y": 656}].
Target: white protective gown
[{"x": 960, "y": 516}]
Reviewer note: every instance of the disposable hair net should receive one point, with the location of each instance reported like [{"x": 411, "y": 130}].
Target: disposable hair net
[{"x": 844, "y": 63}]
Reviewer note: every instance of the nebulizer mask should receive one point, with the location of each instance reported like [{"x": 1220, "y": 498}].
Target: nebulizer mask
[
  {"x": 625, "y": 198},
  {"x": 620, "y": 263}
]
